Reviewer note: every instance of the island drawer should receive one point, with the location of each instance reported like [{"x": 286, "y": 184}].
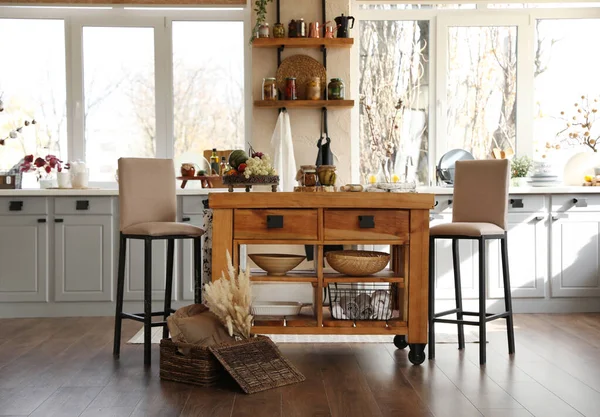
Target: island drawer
[
  {"x": 275, "y": 224},
  {"x": 370, "y": 224}
]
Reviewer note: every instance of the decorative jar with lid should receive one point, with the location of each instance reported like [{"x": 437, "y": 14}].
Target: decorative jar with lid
[
  {"x": 269, "y": 89},
  {"x": 278, "y": 30},
  {"x": 264, "y": 31},
  {"x": 290, "y": 88},
  {"x": 335, "y": 89},
  {"x": 327, "y": 175},
  {"x": 313, "y": 89}
]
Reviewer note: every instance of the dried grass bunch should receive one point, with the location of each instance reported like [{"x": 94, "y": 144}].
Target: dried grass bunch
[{"x": 230, "y": 299}]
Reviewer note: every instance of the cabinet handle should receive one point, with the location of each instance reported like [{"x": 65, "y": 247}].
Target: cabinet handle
[
  {"x": 557, "y": 216},
  {"x": 540, "y": 218},
  {"x": 436, "y": 203},
  {"x": 581, "y": 202},
  {"x": 15, "y": 206},
  {"x": 59, "y": 220},
  {"x": 516, "y": 202},
  {"x": 41, "y": 220},
  {"x": 82, "y": 205},
  {"x": 185, "y": 219},
  {"x": 366, "y": 222},
  {"x": 274, "y": 222},
  {"x": 450, "y": 202}
]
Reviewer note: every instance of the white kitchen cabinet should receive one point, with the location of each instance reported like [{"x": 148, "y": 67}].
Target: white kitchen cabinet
[
  {"x": 575, "y": 254},
  {"x": 83, "y": 257},
  {"x": 24, "y": 272}
]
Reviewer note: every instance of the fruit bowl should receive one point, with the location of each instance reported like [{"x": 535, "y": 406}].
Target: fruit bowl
[
  {"x": 357, "y": 262},
  {"x": 276, "y": 263}
]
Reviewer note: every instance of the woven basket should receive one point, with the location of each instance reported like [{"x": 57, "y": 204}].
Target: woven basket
[
  {"x": 357, "y": 262},
  {"x": 198, "y": 366}
]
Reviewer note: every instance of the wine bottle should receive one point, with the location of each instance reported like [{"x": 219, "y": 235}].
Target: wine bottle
[{"x": 214, "y": 163}]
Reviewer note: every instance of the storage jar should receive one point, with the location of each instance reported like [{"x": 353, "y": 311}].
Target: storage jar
[
  {"x": 290, "y": 88},
  {"x": 327, "y": 175},
  {"x": 313, "y": 89},
  {"x": 301, "y": 28},
  {"x": 264, "y": 31},
  {"x": 335, "y": 89},
  {"x": 278, "y": 30},
  {"x": 309, "y": 175},
  {"x": 269, "y": 89}
]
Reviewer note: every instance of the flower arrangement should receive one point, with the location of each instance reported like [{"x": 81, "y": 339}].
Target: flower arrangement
[
  {"x": 579, "y": 125},
  {"x": 230, "y": 300},
  {"x": 13, "y": 134},
  {"x": 43, "y": 166},
  {"x": 520, "y": 167}
]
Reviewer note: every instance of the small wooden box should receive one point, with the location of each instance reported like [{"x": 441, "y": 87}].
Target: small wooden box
[{"x": 8, "y": 181}]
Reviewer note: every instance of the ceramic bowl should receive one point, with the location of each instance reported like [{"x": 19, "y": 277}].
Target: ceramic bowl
[
  {"x": 357, "y": 262},
  {"x": 276, "y": 263}
]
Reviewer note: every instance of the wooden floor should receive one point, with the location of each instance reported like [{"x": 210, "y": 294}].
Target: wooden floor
[{"x": 64, "y": 367}]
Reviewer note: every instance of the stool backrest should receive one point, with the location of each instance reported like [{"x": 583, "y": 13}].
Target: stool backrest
[
  {"x": 146, "y": 191},
  {"x": 481, "y": 192}
]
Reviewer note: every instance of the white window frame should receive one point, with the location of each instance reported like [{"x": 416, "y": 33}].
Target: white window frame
[
  {"x": 161, "y": 20},
  {"x": 440, "y": 20}
]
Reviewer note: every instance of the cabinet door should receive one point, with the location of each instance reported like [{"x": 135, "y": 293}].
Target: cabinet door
[
  {"x": 575, "y": 249},
  {"x": 188, "y": 258},
  {"x": 527, "y": 257},
  {"x": 444, "y": 274},
  {"x": 84, "y": 253},
  {"x": 23, "y": 259}
]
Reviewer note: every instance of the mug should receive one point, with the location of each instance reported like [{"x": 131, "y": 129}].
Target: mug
[{"x": 188, "y": 169}]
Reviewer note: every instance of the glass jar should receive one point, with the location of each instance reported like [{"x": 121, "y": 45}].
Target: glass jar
[
  {"x": 301, "y": 28},
  {"x": 335, "y": 89},
  {"x": 313, "y": 89},
  {"x": 269, "y": 89},
  {"x": 278, "y": 30},
  {"x": 290, "y": 88},
  {"x": 264, "y": 31},
  {"x": 309, "y": 175},
  {"x": 293, "y": 29},
  {"x": 327, "y": 175}
]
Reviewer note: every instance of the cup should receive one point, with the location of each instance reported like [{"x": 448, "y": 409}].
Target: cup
[{"x": 188, "y": 169}]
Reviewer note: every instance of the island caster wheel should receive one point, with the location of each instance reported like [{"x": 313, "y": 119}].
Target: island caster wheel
[
  {"x": 416, "y": 356},
  {"x": 400, "y": 341}
]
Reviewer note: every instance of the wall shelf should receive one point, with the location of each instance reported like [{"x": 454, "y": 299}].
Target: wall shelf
[
  {"x": 305, "y": 104},
  {"x": 303, "y": 42}
]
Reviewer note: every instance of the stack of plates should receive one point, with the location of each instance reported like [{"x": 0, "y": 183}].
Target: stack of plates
[{"x": 543, "y": 180}]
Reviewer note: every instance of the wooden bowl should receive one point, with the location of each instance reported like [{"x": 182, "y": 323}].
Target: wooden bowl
[
  {"x": 357, "y": 263},
  {"x": 276, "y": 263}
]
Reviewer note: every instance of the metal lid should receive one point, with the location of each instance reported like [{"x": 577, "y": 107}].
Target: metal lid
[{"x": 270, "y": 79}]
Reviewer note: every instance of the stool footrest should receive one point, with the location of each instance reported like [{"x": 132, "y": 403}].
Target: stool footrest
[
  {"x": 140, "y": 316},
  {"x": 489, "y": 317}
]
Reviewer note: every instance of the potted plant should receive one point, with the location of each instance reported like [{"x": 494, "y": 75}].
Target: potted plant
[
  {"x": 43, "y": 168},
  {"x": 260, "y": 7},
  {"x": 519, "y": 169}
]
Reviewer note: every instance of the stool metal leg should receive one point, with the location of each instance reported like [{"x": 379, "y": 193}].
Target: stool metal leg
[
  {"x": 198, "y": 270},
  {"x": 458, "y": 292},
  {"x": 147, "y": 299},
  {"x": 431, "y": 307},
  {"x": 482, "y": 293},
  {"x": 169, "y": 284},
  {"x": 507, "y": 295},
  {"x": 120, "y": 291}
]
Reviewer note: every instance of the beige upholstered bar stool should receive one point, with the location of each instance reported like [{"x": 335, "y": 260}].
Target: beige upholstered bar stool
[
  {"x": 479, "y": 213},
  {"x": 148, "y": 211}
]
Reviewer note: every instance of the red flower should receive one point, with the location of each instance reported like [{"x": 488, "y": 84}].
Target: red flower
[
  {"x": 29, "y": 158},
  {"x": 48, "y": 169},
  {"x": 52, "y": 162},
  {"x": 26, "y": 167},
  {"x": 39, "y": 162}
]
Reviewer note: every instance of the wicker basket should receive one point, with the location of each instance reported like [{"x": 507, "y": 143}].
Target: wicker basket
[
  {"x": 198, "y": 366},
  {"x": 357, "y": 262}
]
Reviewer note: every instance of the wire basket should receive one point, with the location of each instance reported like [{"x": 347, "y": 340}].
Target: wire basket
[{"x": 372, "y": 301}]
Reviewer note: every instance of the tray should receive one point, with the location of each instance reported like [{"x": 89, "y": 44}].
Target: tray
[
  {"x": 276, "y": 308},
  {"x": 303, "y": 68}
]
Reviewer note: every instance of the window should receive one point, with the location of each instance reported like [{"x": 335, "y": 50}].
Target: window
[
  {"x": 208, "y": 88},
  {"x": 119, "y": 91},
  {"x": 33, "y": 85},
  {"x": 394, "y": 65}
]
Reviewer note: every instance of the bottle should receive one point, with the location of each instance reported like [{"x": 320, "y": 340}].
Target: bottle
[
  {"x": 214, "y": 163},
  {"x": 223, "y": 168}
]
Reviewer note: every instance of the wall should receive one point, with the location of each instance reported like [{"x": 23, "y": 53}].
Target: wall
[{"x": 305, "y": 122}]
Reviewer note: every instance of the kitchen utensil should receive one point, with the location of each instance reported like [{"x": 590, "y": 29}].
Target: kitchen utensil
[
  {"x": 445, "y": 168},
  {"x": 276, "y": 308},
  {"x": 314, "y": 30},
  {"x": 343, "y": 22},
  {"x": 357, "y": 263},
  {"x": 276, "y": 263},
  {"x": 303, "y": 68},
  {"x": 329, "y": 29}
]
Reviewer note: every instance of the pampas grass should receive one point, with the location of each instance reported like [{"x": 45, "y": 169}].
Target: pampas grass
[{"x": 230, "y": 299}]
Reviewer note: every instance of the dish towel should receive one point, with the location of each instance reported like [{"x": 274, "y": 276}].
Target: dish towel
[{"x": 283, "y": 160}]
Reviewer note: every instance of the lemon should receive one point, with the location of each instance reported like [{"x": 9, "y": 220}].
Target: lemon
[{"x": 588, "y": 178}]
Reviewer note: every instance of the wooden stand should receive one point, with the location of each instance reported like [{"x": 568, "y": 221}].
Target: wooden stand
[{"x": 320, "y": 219}]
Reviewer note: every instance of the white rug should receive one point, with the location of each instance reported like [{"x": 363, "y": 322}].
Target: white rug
[{"x": 441, "y": 336}]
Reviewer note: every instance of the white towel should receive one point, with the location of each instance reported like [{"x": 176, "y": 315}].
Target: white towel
[
  {"x": 283, "y": 159},
  {"x": 381, "y": 304},
  {"x": 351, "y": 309},
  {"x": 338, "y": 312}
]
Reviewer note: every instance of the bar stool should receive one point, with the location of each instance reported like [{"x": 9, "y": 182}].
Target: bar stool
[
  {"x": 479, "y": 213},
  {"x": 148, "y": 211}
]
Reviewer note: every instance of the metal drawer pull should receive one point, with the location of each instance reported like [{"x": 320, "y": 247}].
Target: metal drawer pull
[
  {"x": 59, "y": 220},
  {"x": 274, "y": 221},
  {"x": 185, "y": 219},
  {"x": 450, "y": 202},
  {"x": 41, "y": 220},
  {"x": 15, "y": 206},
  {"x": 582, "y": 202},
  {"x": 366, "y": 222},
  {"x": 516, "y": 202},
  {"x": 82, "y": 205},
  {"x": 540, "y": 218},
  {"x": 560, "y": 216}
]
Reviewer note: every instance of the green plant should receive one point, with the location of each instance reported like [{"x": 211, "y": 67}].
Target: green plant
[
  {"x": 519, "y": 167},
  {"x": 260, "y": 7}
]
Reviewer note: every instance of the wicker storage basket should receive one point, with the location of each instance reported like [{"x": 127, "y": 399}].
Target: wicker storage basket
[
  {"x": 357, "y": 262},
  {"x": 197, "y": 366}
]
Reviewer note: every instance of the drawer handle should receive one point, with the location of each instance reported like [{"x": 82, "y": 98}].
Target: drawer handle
[
  {"x": 185, "y": 219},
  {"x": 558, "y": 216},
  {"x": 15, "y": 206},
  {"x": 82, "y": 205},
  {"x": 41, "y": 220},
  {"x": 581, "y": 202},
  {"x": 59, "y": 220},
  {"x": 516, "y": 202},
  {"x": 274, "y": 221},
  {"x": 366, "y": 222}
]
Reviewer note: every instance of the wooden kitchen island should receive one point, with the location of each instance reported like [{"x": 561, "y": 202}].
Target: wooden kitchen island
[{"x": 400, "y": 220}]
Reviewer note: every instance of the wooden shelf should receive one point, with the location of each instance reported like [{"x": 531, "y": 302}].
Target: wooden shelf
[
  {"x": 383, "y": 276},
  {"x": 303, "y": 104},
  {"x": 292, "y": 276},
  {"x": 303, "y": 42}
]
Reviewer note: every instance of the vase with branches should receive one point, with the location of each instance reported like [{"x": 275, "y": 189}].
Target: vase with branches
[
  {"x": 579, "y": 125},
  {"x": 260, "y": 8}
]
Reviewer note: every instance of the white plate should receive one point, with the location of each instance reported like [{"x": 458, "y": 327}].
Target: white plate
[{"x": 276, "y": 308}]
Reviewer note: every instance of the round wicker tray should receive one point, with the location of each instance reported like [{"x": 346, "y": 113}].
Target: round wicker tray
[
  {"x": 303, "y": 68},
  {"x": 357, "y": 262}
]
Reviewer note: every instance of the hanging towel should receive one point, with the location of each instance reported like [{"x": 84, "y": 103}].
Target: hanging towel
[{"x": 283, "y": 160}]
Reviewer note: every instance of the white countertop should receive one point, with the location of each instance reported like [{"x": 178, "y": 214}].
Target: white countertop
[{"x": 91, "y": 192}]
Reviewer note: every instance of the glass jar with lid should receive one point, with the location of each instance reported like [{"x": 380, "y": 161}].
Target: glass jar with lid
[
  {"x": 269, "y": 89},
  {"x": 264, "y": 31},
  {"x": 335, "y": 89},
  {"x": 327, "y": 175},
  {"x": 290, "y": 88},
  {"x": 309, "y": 175}
]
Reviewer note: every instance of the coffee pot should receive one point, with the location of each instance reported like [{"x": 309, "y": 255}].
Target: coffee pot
[
  {"x": 343, "y": 22},
  {"x": 329, "y": 29}
]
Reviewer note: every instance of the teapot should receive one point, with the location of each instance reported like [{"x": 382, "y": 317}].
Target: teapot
[
  {"x": 342, "y": 22},
  {"x": 329, "y": 29}
]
